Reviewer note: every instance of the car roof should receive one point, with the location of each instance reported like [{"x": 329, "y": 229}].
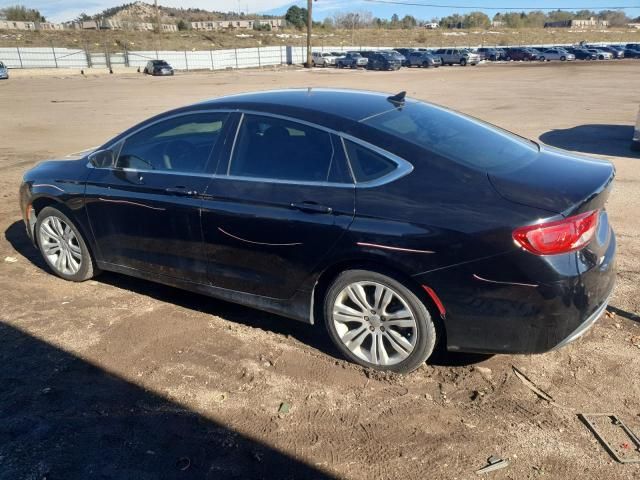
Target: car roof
[{"x": 332, "y": 108}]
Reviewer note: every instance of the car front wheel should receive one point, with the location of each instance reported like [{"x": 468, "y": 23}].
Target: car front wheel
[
  {"x": 378, "y": 322},
  {"x": 463, "y": 62},
  {"x": 63, "y": 247}
]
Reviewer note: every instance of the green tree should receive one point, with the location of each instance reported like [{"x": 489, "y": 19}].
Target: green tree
[
  {"x": 19, "y": 13},
  {"x": 182, "y": 25},
  {"x": 476, "y": 20},
  {"x": 616, "y": 18},
  {"x": 408, "y": 22},
  {"x": 296, "y": 16}
]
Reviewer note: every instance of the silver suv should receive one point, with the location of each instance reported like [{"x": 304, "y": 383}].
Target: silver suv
[{"x": 461, "y": 56}]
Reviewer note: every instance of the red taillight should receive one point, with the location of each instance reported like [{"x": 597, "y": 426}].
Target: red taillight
[{"x": 562, "y": 236}]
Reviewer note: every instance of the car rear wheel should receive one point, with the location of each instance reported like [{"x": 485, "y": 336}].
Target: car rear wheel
[
  {"x": 63, "y": 247},
  {"x": 378, "y": 322},
  {"x": 425, "y": 64},
  {"x": 463, "y": 62},
  {"x": 563, "y": 58}
]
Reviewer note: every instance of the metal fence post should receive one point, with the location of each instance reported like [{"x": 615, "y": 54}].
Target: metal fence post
[
  {"x": 281, "y": 60},
  {"x": 126, "y": 56},
  {"x": 186, "y": 60},
  {"x": 259, "y": 61},
  {"x": 236, "y": 50},
  {"x": 211, "y": 55},
  {"x": 53, "y": 49},
  {"x": 19, "y": 56},
  {"x": 88, "y": 55},
  {"x": 107, "y": 57}
]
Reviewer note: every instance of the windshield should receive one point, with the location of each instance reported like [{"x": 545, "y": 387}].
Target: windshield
[{"x": 455, "y": 136}]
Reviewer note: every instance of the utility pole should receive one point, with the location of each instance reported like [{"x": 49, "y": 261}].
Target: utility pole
[
  {"x": 157, "y": 16},
  {"x": 309, "y": 24}
]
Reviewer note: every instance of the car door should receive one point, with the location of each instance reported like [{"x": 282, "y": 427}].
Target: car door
[
  {"x": 144, "y": 210},
  {"x": 277, "y": 207}
]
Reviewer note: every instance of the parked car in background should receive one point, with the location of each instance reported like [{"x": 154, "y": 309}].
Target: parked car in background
[
  {"x": 601, "y": 54},
  {"x": 631, "y": 53},
  {"x": 633, "y": 46},
  {"x": 405, "y": 52},
  {"x": 556, "y": 54},
  {"x": 351, "y": 60},
  {"x": 4, "y": 71},
  {"x": 521, "y": 54},
  {"x": 383, "y": 61},
  {"x": 158, "y": 67},
  {"x": 398, "y": 56},
  {"x": 460, "y": 56},
  {"x": 615, "y": 51},
  {"x": 491, "y": 54},
  {"x": 635, "y": 142},
  {"x": 582, "y": 54},
  {"x": 397, "y": 224},
  {"x": 319, "y": 59},
  {"x": 423, "y": 59}
]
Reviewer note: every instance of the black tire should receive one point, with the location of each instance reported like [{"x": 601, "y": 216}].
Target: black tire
[
  {"x": 88, "y": 268},
  {"x": 425, "y": 327},
  {"x": 542, "y": 59},
  {"x": 563, "y": 58},
  {"x": 463, "y": 62},
  {"x": 425, "y": 64}
]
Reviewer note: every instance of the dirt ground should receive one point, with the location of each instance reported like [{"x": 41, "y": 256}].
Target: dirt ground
[{"x": 122, "y": 378}]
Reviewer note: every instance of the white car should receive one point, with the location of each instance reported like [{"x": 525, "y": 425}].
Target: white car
[
  {"x": 556, "y": 54},
  {"x": 602, "y": 55},
  {"x": 320, "y": 59}
]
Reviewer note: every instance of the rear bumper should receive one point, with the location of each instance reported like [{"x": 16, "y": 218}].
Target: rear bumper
[{"x": 496, "y": 306}]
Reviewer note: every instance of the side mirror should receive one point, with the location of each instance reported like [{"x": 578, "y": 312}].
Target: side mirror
[{"x": 102, "y": 158}]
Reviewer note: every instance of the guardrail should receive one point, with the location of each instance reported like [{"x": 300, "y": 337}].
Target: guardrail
[{"x": 56, "y": 57}]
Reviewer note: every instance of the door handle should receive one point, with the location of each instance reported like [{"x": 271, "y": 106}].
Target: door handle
[
  {"x": 180, "y": 191},
  {"x": 311, "y": 207}
]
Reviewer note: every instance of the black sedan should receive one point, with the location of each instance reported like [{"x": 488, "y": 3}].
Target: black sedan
[
  {"x": 401, "y": 225},
  {"x": 582, "y": 54}
]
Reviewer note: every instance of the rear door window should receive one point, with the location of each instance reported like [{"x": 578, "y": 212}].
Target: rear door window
[{"x": 279, "y": 149}]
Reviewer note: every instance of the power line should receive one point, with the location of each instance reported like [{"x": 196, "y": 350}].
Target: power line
[{"x": 480, "y": 7}]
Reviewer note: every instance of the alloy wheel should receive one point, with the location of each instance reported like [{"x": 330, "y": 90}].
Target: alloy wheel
[
  {"x": 60, "y": 245},
  {"x": 375, "y": 323}
]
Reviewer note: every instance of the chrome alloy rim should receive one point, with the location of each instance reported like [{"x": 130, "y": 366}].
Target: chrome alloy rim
[
  {"x": 375, "y": 323},
  {"x": 60, "y": 245}
]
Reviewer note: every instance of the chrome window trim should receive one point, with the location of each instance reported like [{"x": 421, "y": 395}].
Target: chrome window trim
[
  {"x": 404, "y": 167},
  {"x": 114, "y": 144}
]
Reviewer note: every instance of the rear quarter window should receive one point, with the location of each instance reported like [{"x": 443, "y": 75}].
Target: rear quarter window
[{"x": 366, "y": 164}]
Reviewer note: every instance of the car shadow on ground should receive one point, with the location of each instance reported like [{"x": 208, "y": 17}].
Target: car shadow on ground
[
  {"x": 610, "y": 140},
  {"x": 624, "y": 314},
  {"x": 312, "y": 335},
  {"x": 63, "y": 417}
]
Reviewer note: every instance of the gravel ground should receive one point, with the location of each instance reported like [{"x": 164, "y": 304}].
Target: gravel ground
[{"x": 122, "y": 378}]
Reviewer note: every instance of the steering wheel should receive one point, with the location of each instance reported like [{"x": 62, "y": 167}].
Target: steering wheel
[
  {"x": 178, "y": 152},
  {"x": 134, "y": 162}
]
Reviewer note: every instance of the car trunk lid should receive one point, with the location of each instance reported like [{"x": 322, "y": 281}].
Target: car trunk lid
[{"x": 557, "y": 181}]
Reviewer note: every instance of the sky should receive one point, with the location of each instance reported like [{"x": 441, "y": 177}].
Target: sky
[{"x": 62, "y": 10}]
